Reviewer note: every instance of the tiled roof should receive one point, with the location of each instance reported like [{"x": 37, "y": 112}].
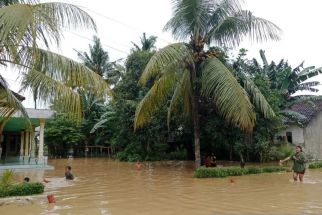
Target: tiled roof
[{"x": 309, "y": 109}]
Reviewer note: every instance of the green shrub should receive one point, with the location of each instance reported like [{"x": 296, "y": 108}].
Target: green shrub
[
  {"x": 315, "y": 165},
  {"x": 254, "y": 170},
  {"x": 6, "y": 178},
  {"x": 24, "y": 189},
  {"x": 286, "y": 150},
  {"x": 204, "y": 172}
]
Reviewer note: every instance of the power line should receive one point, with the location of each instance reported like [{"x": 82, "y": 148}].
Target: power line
[
  {"x": 117, "y": 21},
  {"x": 124, "y": 24},
  {"x": 111, "y": 47}
]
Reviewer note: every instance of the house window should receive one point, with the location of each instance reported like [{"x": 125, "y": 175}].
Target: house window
[{"x": 289, "y": 137}]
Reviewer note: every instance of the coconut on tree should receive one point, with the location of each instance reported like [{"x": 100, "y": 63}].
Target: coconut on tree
[{"x": 189, "y": 71}]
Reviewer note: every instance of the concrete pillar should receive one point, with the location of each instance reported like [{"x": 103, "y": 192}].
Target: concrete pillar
[
  {"x": 41, "y": 140},
  {"x": 33, "y": 142},
  {"x": 22, "y": 143},
  {"x": 26, "y": 151}
]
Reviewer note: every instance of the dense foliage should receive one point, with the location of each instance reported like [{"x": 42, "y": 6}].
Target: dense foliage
[{"x": 62, "y": 134}]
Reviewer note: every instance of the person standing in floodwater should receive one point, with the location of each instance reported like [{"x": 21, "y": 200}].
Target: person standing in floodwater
[
  {"x": 298, "y": 163},
  {"x": 68, "y": 173}
]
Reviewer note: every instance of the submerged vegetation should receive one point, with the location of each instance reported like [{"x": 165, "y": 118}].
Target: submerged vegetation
[
  {"x": 222, "y": 172},
  {"x": 315, "y": 165},
  {"x": 9, "y": 188},
  {"x": 25, "y": 189}
]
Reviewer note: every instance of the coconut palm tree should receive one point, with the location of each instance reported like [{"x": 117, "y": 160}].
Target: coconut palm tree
[
  {"x": 28, "y": 29},
  {"x": 190, "y": 70},
  {"x": 147, "y": 44},
  {"x": 97, "y": 59}
]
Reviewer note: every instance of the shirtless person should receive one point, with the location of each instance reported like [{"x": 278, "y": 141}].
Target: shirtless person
[{"x": 68, "y": 173}]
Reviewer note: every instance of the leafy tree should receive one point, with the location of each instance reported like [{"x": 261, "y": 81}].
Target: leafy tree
[
  {"x": 62, "y": 134},
  {"x": 189, "y": 71},
  {"x": 26, "y": 26}
]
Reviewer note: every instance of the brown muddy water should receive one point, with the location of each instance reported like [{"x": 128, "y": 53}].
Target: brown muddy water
[{"x": 105, "y": 186}]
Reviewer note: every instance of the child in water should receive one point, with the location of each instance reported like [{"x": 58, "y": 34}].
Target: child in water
[
  {"x": 139, "y": 165},
  {"x": 68, "y": 173}
]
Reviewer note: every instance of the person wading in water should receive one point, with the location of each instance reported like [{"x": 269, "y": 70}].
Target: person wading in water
[{"x": 298, "y": 163}]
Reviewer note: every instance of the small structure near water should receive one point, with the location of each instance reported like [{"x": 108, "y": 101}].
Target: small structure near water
[
  {"x": 22, "y": 146},
  {"x": 305, "y": 127}
]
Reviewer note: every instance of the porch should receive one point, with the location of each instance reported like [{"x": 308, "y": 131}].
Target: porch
[{"x": 22, "y": 144}]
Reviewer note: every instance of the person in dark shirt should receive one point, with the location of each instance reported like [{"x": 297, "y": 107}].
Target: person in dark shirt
[
  {"x": 68, "y": 173},
  {"x": 298, "y": 163}
]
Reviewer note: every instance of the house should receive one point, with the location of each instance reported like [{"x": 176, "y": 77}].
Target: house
[
  {"x": 22, "y": 143},
  {"x": 305, "y": 127}
]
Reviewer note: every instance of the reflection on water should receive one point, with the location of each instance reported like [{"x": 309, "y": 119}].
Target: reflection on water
[{"x": 109, "y": 187}]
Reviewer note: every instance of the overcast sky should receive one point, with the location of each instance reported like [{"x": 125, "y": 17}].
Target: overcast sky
[{"x": 122, "y": 21}]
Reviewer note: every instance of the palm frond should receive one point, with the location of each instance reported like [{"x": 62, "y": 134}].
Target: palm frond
[
  {"x": 174, "y": 54},
  {"x": 309, "y": 73},
  {"x": 155, "y": 97},
  {"x": 98, "y": 125},
  {"x": 9, "y": 103},
  {"x": 24, "y": 23},
  {"x": 190, "y": 18},
  {"x": 182, "y": 95},
  {"x": 258, "y": 98},
  {"x": 64, "y": 70},
  {"x": 229, "y": 97},
  {"x": 50, "y": 91},
  {"x": 222, "y": 10},
  {"x": 232, "y": 30}
]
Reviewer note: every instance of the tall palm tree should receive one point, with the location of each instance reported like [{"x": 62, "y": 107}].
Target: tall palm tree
[
  {"x": 98, "y": 60},
  {"x": 147, "y": 44},
  {"x": 28, "y": 29},
  {"x": 190, "y": 71}
]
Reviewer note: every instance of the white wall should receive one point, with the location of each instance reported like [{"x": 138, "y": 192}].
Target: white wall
[
  {"x": 297, "y": 134},
  {"x": 313, "y": 137}
]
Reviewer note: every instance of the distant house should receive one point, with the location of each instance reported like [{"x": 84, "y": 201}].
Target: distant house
[{"x": 305, "y": 127}]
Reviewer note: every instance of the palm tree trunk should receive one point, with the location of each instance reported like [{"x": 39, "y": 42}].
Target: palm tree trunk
[{"x": 196, "y": 129}]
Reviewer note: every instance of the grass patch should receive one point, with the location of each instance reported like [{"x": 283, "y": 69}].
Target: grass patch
[
  {"x": 315, "y": 165},
  {"x": 24, "y": 189},
  {"x": 204, "y": 172}
]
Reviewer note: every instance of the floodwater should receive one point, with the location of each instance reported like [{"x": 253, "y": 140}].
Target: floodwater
[{"x": 105, "y": 186}]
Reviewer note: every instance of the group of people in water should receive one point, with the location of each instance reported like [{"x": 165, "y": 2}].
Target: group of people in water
[
  {"x": 298, "y": 159},
  {"x": 298, "y": 168}
]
